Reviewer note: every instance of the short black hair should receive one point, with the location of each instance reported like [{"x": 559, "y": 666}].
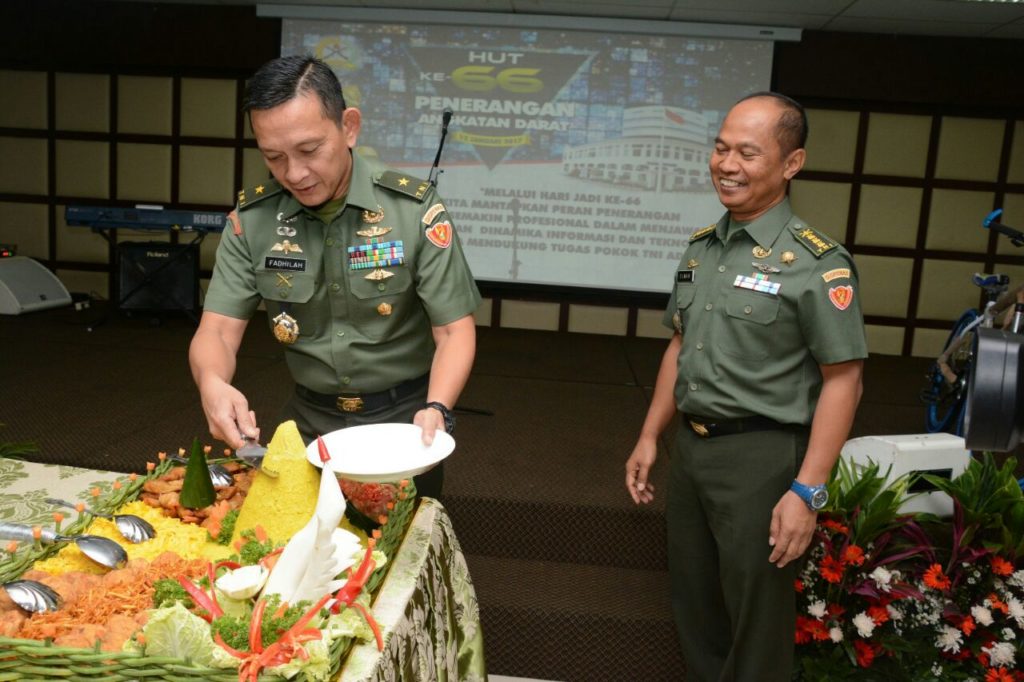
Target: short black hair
[
  {"x": 791, "y": 130},
  {"x": 285, "y": 78}
]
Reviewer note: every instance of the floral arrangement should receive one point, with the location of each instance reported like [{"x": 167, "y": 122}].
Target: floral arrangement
[{"x": 886, "y": 595}]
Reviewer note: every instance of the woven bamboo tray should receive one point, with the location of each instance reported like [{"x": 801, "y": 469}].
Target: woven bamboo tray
[{"x": 25, "y": 660}]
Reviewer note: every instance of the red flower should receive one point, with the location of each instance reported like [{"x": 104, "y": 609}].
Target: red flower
[
  {"x": 1001, "y": 566},
  {"x": 967, "y": 625},
  {"x": 998, "y": 675},
  {"x": 998, "y": 604},
  {"x": 853, "y": 555},
  {"x": 831, "y": 569},
  {"x": 833, "y": 611},
  {"x": 935, "y": 578},
  {"x": 879, "y": 614},
  {"x": 810, "y": 628},
  {"x": 866, "y": 652},
  {"x": 798, "y": 585}
]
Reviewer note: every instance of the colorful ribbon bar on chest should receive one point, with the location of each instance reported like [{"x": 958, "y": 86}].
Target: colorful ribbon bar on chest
[
  {"x": 757, "y": 282},
  {"x": 376, "y": 254}
]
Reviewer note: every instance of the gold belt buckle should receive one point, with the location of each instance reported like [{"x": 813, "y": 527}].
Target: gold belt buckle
[
  {"x": 699, "y": 429},
  {"x": 350, "y": 403}
]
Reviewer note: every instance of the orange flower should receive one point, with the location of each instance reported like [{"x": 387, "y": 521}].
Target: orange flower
[
  {"x": 831, "y": 569},
  {"x": 967, "y": 625},
  {"x": 998, "y": 604},
  {"x": 116, "y": 485},
  {"x": 1001, "y": 566},
  {"x": 80, "y": 507},
  {"x": 998, "y": 675},
  {"x": 57, "y": 517},
  {"x": 133, "y": 476},
  {"x": 95, "y": 492},
  {"x": 853, "y": 555},
  {"x": 935, "y": 578},
  {"x": 227, "y": 452},
  {"x": 879, "y": 614},
  {"x": 834, "y": 525},
  {"x": 12, "y": 546},
  {"x": 150, "y": 465},
  {"x": 161, "y": 456},
  {"x": 207, "y": 449},
  {"x": 37, "y": 532}
]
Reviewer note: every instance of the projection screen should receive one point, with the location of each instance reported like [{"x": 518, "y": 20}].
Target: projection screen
[{"x": 573, "y": 158}]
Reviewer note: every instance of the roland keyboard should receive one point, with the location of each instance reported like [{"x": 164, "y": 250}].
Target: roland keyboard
[{"x": 144, "y": 218}]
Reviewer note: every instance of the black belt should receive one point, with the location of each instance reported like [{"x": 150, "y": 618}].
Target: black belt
[
  {"x": 364, "y": 402},
  {"x": 707, "y": 427}
]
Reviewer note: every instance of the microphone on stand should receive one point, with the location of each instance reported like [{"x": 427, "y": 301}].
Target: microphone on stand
[{"x": 446, "y": 117}]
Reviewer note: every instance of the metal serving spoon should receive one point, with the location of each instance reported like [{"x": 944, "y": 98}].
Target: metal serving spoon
[
  {"x": 103, "y": 551},
  {"x": 33, "y": 596},
  {"x": 134, "y": 528},
  {"x": 252, "y": 453},
  {"x": 219, "y": 476}
]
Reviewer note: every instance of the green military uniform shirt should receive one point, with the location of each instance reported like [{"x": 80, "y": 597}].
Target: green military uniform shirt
[
  {"x": 760, "y": 305},
  {"x": 356, "y": 334}
]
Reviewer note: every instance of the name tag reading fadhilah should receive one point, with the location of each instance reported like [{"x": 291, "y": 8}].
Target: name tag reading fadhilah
[{"x": 279, "y": 263}]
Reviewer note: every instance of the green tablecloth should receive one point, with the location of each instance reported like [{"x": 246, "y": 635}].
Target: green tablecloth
[{"x": 426, "y": 607}]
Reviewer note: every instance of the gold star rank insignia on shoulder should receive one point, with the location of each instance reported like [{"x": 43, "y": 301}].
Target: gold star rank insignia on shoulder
[{"x": 259, "y": 189}]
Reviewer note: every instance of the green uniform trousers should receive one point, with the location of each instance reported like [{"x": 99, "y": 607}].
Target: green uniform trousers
[
  {"x": 735, "y": 611},
  {"x": 314, "y": 420}
]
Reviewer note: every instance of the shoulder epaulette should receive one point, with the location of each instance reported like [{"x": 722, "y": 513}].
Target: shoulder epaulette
[
  {"x": 703, "y": 232},
  {"x": 252, "y": 195},
  {"x": 403, "y": 184},
  {"x": 814, "y": 241}
]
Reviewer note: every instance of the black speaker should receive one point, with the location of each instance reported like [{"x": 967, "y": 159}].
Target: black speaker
[{"x": 158, "y": 276}]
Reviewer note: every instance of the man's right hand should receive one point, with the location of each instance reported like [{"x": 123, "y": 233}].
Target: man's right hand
[
  {"x": 638, "y": 466},
  {"x": 227, "y": 413}
]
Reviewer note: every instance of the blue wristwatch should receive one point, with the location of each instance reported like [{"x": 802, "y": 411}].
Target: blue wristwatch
[{"x": 815, "y": 496}]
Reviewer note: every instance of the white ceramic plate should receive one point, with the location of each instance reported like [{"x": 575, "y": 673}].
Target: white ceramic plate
[{"x": 376, "y": 453}]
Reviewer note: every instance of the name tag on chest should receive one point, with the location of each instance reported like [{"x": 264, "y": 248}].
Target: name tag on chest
[{"x": 290, "y": 264}]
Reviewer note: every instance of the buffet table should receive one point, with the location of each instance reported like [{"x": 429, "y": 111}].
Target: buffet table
[{"x": 426, "y": 607}]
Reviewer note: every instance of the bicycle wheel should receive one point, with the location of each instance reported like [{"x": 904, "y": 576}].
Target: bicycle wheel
[{"x": 947, "y": 401}]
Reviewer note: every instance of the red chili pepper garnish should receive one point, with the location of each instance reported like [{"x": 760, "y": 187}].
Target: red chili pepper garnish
[
  {"x": 228, "y": 648},
  {"x": 372, "y": 623},
  {"x": 322, "y": 447},
  {"x": 256, "y": 627},
  {"x": 233, "y": 565},
  {"x": 201, "y": 599},
  {"x": 351, "y": 589}
]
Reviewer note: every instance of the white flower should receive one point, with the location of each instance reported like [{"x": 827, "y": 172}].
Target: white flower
[
  {"x": 949, "y": 639},
  {"x": 936, "y": 670},
  {"x": 835, "y": 634},
  {"x": 882, "y": 578},
  {"x": 982, "y": 615},
  {"x": 1017, "y": 579},
  {"x": 1016, "y": 610},
  {"x": 865, "y": 624},
  {"x": 1009, "y": 634},
  {"x": 1000, "y": 654},
  {"x": 817, "y": 609},
  {"x": 894, "y": 612}
]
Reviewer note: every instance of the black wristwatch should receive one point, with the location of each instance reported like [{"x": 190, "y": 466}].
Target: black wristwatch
[{"x": 446, "y": 414}]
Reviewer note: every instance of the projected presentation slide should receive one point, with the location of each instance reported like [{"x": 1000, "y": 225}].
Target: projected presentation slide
[{"x": 572, "y": 158}]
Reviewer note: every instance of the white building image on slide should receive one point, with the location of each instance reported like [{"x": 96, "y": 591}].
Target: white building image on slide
[{"x": 664, "y": 148}]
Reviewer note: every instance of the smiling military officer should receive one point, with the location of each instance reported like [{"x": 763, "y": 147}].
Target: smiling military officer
[
  {"x": 765, "y": 368},
  {"x": 364, "y": 279}
]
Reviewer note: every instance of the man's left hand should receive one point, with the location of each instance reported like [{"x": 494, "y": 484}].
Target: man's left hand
[
  {"x": 431, "y": 421},
  {"x": 791, "y": 529}
]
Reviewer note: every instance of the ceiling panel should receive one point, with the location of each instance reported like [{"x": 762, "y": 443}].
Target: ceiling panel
[
  {"x": 908, "y": 27},
  {"x": 787, "y": 19},
  {"x": 937, "y": 10}
]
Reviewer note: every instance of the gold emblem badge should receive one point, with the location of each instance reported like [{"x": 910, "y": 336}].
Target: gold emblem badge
[
  {"x": 384, "y": 309},
  {"x": 378, "y": 275},
  {"x": 677, "y": 322},
  {"x": 787, "y": 257},
  {"x": 284, "y": 280},
  {"x": 373, "y": 216},
  {"x": 761, "y": 252},
  {"x": 286, "y": 247},
  {"x": 350, "y": 403},
  {"x": 699, "y": 429},
  {"x": 286, "y": 329},
  {"x": 692, "y": 263},
  {"x": 375, "y": 231}
]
